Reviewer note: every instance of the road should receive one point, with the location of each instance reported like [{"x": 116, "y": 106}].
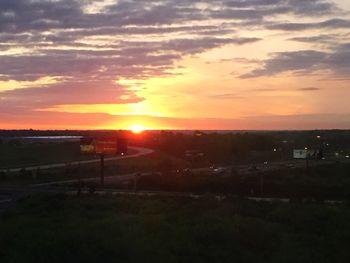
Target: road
[
  {"x": 114, "y": 178},
  {"x": 140, "y": 152},
  {"x": 5, "y": 202},
  {"x": 268, "y": 166},
  {"x": 240, "y": 169}
]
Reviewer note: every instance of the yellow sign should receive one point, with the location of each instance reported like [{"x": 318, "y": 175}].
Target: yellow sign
[{"x": 87, "y": 148}]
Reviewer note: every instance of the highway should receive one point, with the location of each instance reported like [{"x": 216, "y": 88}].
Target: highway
[
  {"x": 114, "y": 178},
  {"x": 226, "y": 170},
  {"x": 272, "y": 166},
  {"x": 140, "y": 152}
]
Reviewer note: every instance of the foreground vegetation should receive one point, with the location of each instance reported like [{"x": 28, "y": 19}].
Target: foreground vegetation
[{"x": 130, "y": 229}]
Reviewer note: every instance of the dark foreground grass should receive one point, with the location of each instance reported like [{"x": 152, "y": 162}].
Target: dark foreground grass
[{"x": 163, "y": 229}]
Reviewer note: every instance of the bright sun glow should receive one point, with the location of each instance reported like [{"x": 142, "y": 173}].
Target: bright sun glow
[{"x": 137, "y": 128}]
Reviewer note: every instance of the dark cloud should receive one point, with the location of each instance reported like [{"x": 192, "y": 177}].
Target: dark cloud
[
  {"x": 309, "y": 89},
  {"x": 318, "y": 7},
  {"x": 266, "y": 89},
  {"x": 324, "y": 39},
  {"x": 258, "y": 10},
  {"x": 328, "y": 24},
  {"x": 296, "y": 6},
  {"x": 119, "y": 60},
  {"x": 192, "y": 46},
  {"x": 24, "y": 15},
  {"x": 305, "y": 61},
  {"x": 242, "y": 60},
  {"x": 226, "y": 96}
]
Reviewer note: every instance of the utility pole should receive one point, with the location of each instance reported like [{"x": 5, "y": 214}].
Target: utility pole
[
  {"x": 79, "y": 178},
  {"x": 102, "y": 170},
  {"x": 261, "y": 184},
  {"x": 307, "y": 162}
]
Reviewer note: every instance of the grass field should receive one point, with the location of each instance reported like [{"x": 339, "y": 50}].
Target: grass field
[
  {"x": 119, "y": 229},
  {"x": 14, "y": 156}
]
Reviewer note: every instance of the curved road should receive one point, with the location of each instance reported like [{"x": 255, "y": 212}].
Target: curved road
[{"x": 140, "y": 152}]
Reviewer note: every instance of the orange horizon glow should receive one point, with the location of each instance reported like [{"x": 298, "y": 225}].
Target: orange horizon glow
[{"x": 137, "y": 128}]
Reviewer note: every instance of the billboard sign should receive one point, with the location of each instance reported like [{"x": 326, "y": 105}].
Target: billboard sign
[
  {"x": 106, "y": 145},
  {"x": 102, "y": 145},
  {"x": 87, "y": 145},
  {"x": 299, "y": 154},
  {"x": 304, "y": 153}
]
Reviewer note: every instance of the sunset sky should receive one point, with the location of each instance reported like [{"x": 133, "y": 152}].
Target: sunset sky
[{"x": 174, "y": 64}]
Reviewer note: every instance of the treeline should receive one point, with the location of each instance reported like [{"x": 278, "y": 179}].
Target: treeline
[
  {"x": 205, "y": 148},
  {"x": 33, "y": 133},
  {"x": 220, "y": 147},
  {"x": 244, "y": 147}
]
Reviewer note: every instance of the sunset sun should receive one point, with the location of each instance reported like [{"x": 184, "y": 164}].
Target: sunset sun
[{"x": 137, "y": 128}]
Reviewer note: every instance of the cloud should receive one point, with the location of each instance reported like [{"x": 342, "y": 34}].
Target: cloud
[
  {"x": 226, "y": 96},
  {"x": 316, "y": 7},
  {"x": 135, "y": 59},
  {"x": 69, "y": 92},
  {"x": 23, "y": 15},
  {"x": 309, "y": 89},
  {"x": 243, "y": 60},
  {"x": 335, "y": 23},
  {"x": 266, "y": 89},
  {"x": 305, "y": 61},
  {"x": 324, "y": 39},
  {"x": 192, "y": 46}
]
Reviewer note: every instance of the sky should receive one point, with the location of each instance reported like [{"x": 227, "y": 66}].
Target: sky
[{"x": 175, "y": 64}]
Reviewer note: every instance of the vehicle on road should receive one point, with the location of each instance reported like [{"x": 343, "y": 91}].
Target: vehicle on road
[{"x": 218, "y": 170}]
